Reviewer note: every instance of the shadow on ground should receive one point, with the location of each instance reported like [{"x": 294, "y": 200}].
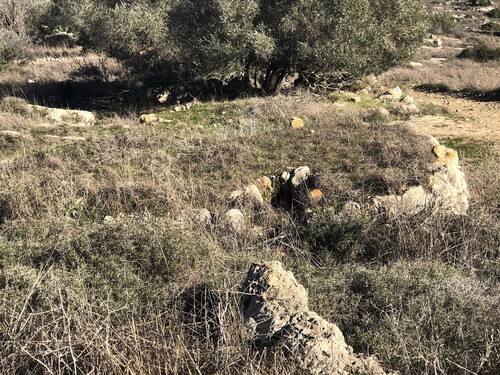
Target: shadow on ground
[
  {"x": 472, "y": 94},
  {"x": 115, "y": 97}
]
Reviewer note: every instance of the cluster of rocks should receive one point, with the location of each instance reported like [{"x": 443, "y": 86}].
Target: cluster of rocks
[
  {"x": 400, "y": 104},
  {"x": 275, "y": 308},
  {"x": 151, "y": 118},
  {"x": 297, "y": 190},
  {"x": 445, "y": 190},
  {"x": 255, "y": 195}
]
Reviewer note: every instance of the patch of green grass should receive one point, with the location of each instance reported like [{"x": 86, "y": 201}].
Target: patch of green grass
[
  {"x": 204, "y": 113},
  {"x": 469, "y": 148},
  {"x": 431, "y": 109}
]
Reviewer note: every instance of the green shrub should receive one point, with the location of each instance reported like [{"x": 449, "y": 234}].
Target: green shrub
[
  {"x": 480, "y": 53},
  {"x": 257, "y": 43},
  {"x": 416, "y": 317},
  {"x": 494, "y": 13},
  {"x": 481, "y": 3},
  {"x": 442, "y": 23}
]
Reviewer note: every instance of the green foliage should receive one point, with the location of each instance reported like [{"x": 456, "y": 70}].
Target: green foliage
[
  {"x": 442, "y": 23},
  {"x": 481, "y": 3},
  {"x": 494, "y": 13},
  {"x": 480, "y": 53},
  {"x": 255, "y": 42}
]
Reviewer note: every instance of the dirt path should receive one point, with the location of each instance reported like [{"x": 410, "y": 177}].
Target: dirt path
[{"x": 477, "y": 120}]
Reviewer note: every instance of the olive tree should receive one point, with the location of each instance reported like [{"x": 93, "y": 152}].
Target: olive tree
[
  {"x": 265, "y": 40},
  {"x": 257, "y": 41}
]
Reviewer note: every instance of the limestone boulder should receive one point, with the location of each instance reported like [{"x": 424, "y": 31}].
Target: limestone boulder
[
  {"x": 65, "y": 116},
  {"x": 447, "y": 182},
  {"x": 234, "y": 220},
  {"x": 445, "y": 190},
  {"x": 275, "y": 307}
]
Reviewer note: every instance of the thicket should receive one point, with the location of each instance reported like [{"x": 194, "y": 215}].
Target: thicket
[
  {"x": 19, "y": 20},
  {"x": 254, "y": 43}
]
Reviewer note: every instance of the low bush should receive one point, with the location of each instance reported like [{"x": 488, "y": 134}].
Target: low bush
[
  {"x": 416, "y": 317},
  {"x": 480, "y": 53},
  {"x": 481, "y": 3},
  {"x": 494, "y": 13},
  {"x": 442, "y": 23}
]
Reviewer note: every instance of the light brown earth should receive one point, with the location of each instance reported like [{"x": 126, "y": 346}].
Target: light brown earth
[{"x": 475, "y": 119}]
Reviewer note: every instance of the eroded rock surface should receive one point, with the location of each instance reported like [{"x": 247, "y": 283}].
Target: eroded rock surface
[
  {"x": 276, "y": 307},
  {"x": 446, "y": 188}
]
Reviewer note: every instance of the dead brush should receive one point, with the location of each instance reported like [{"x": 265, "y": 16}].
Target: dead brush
[{"x": 456, "y": 74}]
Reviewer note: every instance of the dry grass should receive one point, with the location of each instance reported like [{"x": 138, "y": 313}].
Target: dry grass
[
  {"x": 83, "y": 295},
  {"x": 152, "y": 290},
  {"x": 456, "y": 74}
]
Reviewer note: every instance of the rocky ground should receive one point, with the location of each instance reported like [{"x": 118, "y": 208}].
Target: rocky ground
[{"x": 158, "y": 238}]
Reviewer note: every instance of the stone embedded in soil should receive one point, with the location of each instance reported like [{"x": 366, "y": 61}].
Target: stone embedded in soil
[
  {"x": 300, "y": 175},
  {"x": 297, "y": 123},
  {"x": 446, "y": 189},
  {"x": 316, "y": 196},
  {"x": 149, "y": 118},
  {"x": 275, "y": 308},
  {"x": 235, "y": 220},
  {"x": 65, "y": 116}
]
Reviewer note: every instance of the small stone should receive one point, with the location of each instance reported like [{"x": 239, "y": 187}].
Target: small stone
[
  {"x": 297, "y": 123},
  {"x": 204, "y": 217},
  {"x": 109, "y": 220},
  {"x": 415, "y": 65},
  {"x": 351, "y": 209},
  {"x": 284, "y": 177},
  {"x": 236, "y": 194},
  {"x": 252, "y": 191},
  {"x": 163, "y": 97},
  {"x": 405, "y": 108},
  {"x": 316, "y": 196},
  {"x": 379, "y": 112},
  {"x": 235, "y": 220},
  {"x": 264, "y": 184},
  {"x": 149, "y": 118},
  {"x": 300, "y": 175},
  {"x": 355, "y": 99},
  {"x": 445, "y": 155}
]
